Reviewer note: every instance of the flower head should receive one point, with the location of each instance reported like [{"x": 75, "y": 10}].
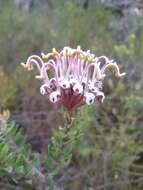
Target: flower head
[{"x": 76, "y": 76}]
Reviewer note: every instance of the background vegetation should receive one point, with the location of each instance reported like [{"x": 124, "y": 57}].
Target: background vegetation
[{"x": 104, "y": 147}]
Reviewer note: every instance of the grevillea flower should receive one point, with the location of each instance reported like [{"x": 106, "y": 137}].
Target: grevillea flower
[{"x": 72, "y": 77}]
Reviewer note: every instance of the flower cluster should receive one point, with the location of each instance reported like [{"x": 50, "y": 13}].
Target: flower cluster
[{"x": 72, "y": 77}]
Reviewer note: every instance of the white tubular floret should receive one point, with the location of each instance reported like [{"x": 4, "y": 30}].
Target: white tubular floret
[
  {"x": 54, "y": 96},
  {"x": 96, "y": 72},
  {"x": 105, "y": 63},
  {"x": 93, "y": 88},
  {"x": 100, "y": 96},
  {"x": 33, "y": 59},
  {"x": 89, "y": 98},
  {"x": 44, "y": 89},
  {"x": 78, "y": 88},
  {"x": 64, "y": 84},
  {"x": 47, "y": 66}
]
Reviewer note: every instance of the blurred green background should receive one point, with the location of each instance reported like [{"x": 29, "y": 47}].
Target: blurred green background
[{"x": 109, "y": 155}]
